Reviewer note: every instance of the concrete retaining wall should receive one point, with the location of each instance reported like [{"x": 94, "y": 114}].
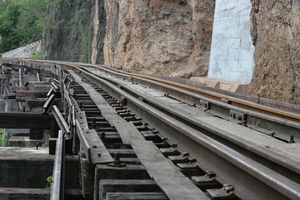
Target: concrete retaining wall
[{"x": 231, "y": 56}]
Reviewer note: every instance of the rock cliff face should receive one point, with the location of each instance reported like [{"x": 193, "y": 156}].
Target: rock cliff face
[
  {"x": 276, "y": 37},
  {"x": 154, "y": 36},
  {"x": 159, "y": 36},
  {"x": 173, "y": 37},
  {"x": 68, "y": 32}
]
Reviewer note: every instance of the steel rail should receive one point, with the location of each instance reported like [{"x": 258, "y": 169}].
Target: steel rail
[
  {"x": 209, "y": 94},
  {"x": 287, "y": 129},
  {"x": 274, "y": 157},
  {"x": 220, "y": 97},
  {"x": 274, "y": 180},
  {"x": 282, "y": 128},
  {"x": 57, "y": 187},
  {"x": 278, "y": 119},
  {"x": 48, "y": 104},
  {"x": 61, "y": 122},
  {"x": 84, "y": 142}
]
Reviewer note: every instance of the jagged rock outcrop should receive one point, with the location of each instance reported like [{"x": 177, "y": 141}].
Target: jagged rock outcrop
[
  {"x": 68, "y": 31},
  {"x": 155, "y": 36},
  {"x": 159, "y": 36},
  {"x": 276, "y": 37}
]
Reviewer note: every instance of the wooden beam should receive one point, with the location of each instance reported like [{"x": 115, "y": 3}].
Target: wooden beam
[
  {"x": 22, "y": 95},
  {"x": 25, "y": 120}
]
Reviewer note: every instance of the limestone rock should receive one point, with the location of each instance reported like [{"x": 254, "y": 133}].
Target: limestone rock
[
  {"x": 159, "y": 36},
  {"x": 276, "y": 37},
  {"x": 198, "y": 68}
]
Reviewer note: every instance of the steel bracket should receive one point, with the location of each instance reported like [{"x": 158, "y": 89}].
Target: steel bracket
[
  {"x": 188, "y": 166},
  {"x": 123, "y": 100},
  {"x": 170, "y": 151},
  {"x": 205, "y": 105},
  {"x": 208, "y": 177},
  {"x": 225, "y": 192},
  {"x": 117, "y": 162},
  {"x": 132, "y": 118},
  {"x": 207, "y": 181},
  {"x": 182, "y": 158},
  {"x": 237, "y": 116}
]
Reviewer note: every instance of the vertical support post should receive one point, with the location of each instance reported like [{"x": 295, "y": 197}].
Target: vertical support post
[
  {"x": 54, "y": 129},
  {"x": 8, "y": 77},
  {"x": 2, "y": 88},
  {"x": 20, "y": 107},
  {"x": 20, "y": 77},
  {"x": 38, "y": 77}
]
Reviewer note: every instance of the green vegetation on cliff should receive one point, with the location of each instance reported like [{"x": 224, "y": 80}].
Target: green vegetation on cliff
[
  {"x": 68, "y": 30},
  {"x": 21, "y": 22}
]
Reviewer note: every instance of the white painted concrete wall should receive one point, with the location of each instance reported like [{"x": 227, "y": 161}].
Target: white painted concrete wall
[{"x": 231, "y": 56}]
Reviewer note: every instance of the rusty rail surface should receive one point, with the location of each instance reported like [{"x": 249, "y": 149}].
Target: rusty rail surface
[
  {"x": 279, "y": 124},
  {"x": 240, "y": 103},
  {"x": 227, "y": 99}
]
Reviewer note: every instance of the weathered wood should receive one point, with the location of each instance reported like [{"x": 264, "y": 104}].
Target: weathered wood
[
  {"x": 126, "y": 172},
  {"x": 24, "y": 193},
  {"x": 34, "y": 105},
  {"x": 22, "y": 95},
  {"x": 32, "y": 84},
  {"x": 136, "y": 195},
  {"x": 36, "y": 134},
  {"x": 128, "y": 153},
  {"x": 127, "y": 185},
  {"x": 167, "y": 176},
  {"x": 25, "y": 120},
  {"x": 87, "y": 173}
]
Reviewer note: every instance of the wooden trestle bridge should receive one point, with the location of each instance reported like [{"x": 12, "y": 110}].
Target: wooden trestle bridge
[{"x": 119, "y": 135}]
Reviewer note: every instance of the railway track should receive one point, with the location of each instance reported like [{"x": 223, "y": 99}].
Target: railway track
[{"x": 138, "y": 138}]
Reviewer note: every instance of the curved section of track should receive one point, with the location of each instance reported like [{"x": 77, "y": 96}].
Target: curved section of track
[{"x": 219, "y": 164}]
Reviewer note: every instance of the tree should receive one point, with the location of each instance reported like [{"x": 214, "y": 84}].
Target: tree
[
  {"x": 21, "y": 23},
  {"x": 3, "y": 5},
  {"x": 8, "y": 22}
]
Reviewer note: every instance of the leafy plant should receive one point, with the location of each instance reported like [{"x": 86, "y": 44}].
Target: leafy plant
[
  {"x": 49, "y": 182},
  {"x": 46, "y": 144},
  {"x": 83, "y": 49},
  {"x": 53, "y": 28},
  {"x": 3, "y": 142},
  {"x": 36, "y": 55}
]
